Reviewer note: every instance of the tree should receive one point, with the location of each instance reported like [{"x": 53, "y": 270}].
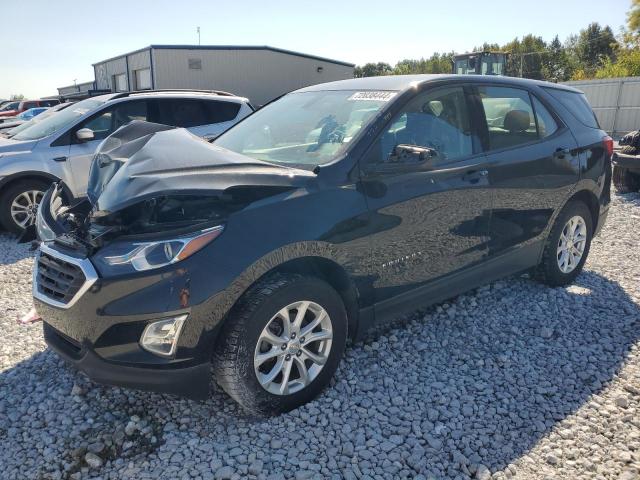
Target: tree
[
  {"x": 633, "y": 17},
  {"x": 556, "y": 65},
  {"x": 373, "y": 70},
  {"x": 527, "y": 56},
  {"x": 16, "y": 96},
  {"x": 594, "y": 46}
]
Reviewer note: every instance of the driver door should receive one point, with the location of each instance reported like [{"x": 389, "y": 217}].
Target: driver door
[
  {"x": 431, "y": 217},
  {"x": 103, "y": 124}
]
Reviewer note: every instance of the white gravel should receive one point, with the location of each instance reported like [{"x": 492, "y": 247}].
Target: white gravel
[{"x": 515, "y": 380}]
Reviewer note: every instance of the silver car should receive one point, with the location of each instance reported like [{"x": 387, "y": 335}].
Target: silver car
[{"x": 61, "y": 146}]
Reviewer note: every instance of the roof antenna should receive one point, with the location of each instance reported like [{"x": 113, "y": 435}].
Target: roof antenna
[{"x": 198, "y": 30}]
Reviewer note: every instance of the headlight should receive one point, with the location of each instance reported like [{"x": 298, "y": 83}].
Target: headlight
[
  {"x": 45, "y": 234},
  {"x": 124, "y": 257}
]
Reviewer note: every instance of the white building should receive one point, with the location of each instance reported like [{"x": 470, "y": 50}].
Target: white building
[{"x": 259, "y": 73}]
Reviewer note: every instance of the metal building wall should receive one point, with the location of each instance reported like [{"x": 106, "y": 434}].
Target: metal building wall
[
  {"x": 138, "y": 61},
  {"x": 615, "y": 101},
  {"x": 79, "y": 88},
  {"x": 260, "y": 75},
  {"x": 107, "y": 69}
]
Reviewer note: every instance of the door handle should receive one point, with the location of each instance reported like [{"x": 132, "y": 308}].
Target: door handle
[
  {"x": 60, "y": 159},
  {"x": 562, "y": 152},
  {"x": 474, "y": 176}
]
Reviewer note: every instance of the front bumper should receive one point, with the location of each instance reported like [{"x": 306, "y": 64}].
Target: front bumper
[
  {"x": 98, "y": 328},
  {"x": 191, "y": 382}
]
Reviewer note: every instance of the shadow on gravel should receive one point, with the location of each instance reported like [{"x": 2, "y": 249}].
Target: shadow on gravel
[{"x": 474, "y": 382}]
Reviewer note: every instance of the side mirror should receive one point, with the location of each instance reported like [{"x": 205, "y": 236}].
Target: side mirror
[
  {"x": 85, "y": 135},
  {"x": 411, "y": 154}
]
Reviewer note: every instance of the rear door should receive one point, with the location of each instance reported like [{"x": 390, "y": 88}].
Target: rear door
[
  {"x": 431, "y": 218},
  {"x": 532, "y": 163}
]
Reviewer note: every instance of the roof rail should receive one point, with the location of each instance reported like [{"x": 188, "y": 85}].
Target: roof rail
[{"x": 222, "y": 93}]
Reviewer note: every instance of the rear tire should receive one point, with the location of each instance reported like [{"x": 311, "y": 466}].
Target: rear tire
[
  {"x": 19, "y": 202},
  {"x": 560, "y": 264},
  {"x": 255, "y": 330},
  {"x": 625, "y": 181}
]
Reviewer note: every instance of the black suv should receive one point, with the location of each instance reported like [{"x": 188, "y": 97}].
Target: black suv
[{"x": 330, "y": 211}]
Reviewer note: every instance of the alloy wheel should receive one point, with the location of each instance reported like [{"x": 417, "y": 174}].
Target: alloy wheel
[
  {"x": 24, "y": 207},
  {"x": 293, "y": 348},
  {"x": 572, "y": 243}
]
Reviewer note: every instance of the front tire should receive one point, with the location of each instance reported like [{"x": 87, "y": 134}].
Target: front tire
[
  {"x": 281, "y": 344},
  {"x": 19, "y": 204},
  {"x": 567, "y": 246}
]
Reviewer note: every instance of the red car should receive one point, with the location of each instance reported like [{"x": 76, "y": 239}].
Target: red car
[{"x": 12, "y": 109}]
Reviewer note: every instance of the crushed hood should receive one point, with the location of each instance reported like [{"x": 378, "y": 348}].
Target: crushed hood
[{"x": 143, "y": 160}]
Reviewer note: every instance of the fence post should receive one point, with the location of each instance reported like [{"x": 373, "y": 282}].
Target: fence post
[{"x": 615, "y": 116}]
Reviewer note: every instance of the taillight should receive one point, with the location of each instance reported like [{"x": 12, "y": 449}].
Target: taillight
[{"x": 608, "y": 145}]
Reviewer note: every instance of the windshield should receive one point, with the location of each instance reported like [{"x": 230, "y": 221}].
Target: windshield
[
  {"x": 51, "y": 124},
  {"x": 309, "y": 128}
]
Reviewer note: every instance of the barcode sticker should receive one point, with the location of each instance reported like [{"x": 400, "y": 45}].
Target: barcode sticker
[{"x": 378, "y": 96}]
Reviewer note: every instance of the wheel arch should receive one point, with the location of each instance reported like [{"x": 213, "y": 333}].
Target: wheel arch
[
  {"x": 591, "y": 201},
  {"x": 11, "y": 180},
  {"x": 332, "y": 273}
]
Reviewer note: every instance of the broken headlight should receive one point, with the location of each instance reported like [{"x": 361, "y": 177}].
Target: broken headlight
[{"x": 125, "y": 257}]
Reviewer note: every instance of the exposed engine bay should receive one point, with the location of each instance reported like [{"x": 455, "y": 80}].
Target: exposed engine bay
[{"x": 151, "y": 180}]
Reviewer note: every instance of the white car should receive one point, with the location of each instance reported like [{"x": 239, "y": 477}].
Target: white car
[{"x": 61, "y": 147}]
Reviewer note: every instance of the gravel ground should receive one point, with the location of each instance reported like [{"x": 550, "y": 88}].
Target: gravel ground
[{"x": 514, "y": 380}]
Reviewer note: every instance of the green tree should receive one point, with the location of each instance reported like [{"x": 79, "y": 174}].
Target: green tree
[
  {"x": 16, "y": 96},
  {"x": 373, "y": 70},
  {"x": 633, "y": 17},
  {"x": 557, "y": 64},
  {"x": 526, "y": 57},
  {"x": 594, "y": 46}
]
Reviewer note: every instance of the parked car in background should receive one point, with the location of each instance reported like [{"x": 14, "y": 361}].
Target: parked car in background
[
  {"x": 9, "y": 122},
  {"x": 14, "y": 108},
  {"x": 257, "y": 256},
  {"x": 60, "y": 147},
  {"x": 7, "y": 129}
]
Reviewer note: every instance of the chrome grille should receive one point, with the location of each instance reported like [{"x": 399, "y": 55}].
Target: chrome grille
[{"x": 60, "y": 279}]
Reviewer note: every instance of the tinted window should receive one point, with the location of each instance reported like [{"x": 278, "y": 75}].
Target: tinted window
[
  {"x": 577, "y": 104},
  {"x": 10, "y": 106},
  {"x": 218, "y": 112},
  {"x": 181, "y": 113},
  {"x": 509, "y": 116},
  {"x": 437, "y": 119},
  {"x": 546, "y": 123},
  {"x": 28, "y": 105}
]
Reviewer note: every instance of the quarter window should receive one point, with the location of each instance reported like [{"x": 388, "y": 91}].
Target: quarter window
[
  {"x": 509, "y": 116},
  {"x": 436, "y": 119}
]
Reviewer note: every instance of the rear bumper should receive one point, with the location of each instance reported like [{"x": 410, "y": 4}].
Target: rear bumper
[{"x": 191, "y": 382}]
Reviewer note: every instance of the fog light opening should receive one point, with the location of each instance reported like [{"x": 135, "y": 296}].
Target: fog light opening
[{"x": 161, "y": 337}]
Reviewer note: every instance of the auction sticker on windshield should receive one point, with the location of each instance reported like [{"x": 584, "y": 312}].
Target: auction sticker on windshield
[{"x": 378, "y": 96}]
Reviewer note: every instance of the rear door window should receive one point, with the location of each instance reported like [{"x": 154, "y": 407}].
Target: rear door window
[
  {"x": 509, "y": 116},
  {"x": 182, "y": 113},
  {"x": 577, "y": 104}
]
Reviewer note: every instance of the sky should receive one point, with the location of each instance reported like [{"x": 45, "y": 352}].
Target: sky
[{"x": 57, "y": 41}]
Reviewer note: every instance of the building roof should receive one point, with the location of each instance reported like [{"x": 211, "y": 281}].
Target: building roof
[
  {"x": 404, "y": 82},
  {"x": 229, "y": 47}
]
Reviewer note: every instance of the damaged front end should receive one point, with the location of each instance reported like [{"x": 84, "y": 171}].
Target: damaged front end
[{"x": 149, "y": 181}]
